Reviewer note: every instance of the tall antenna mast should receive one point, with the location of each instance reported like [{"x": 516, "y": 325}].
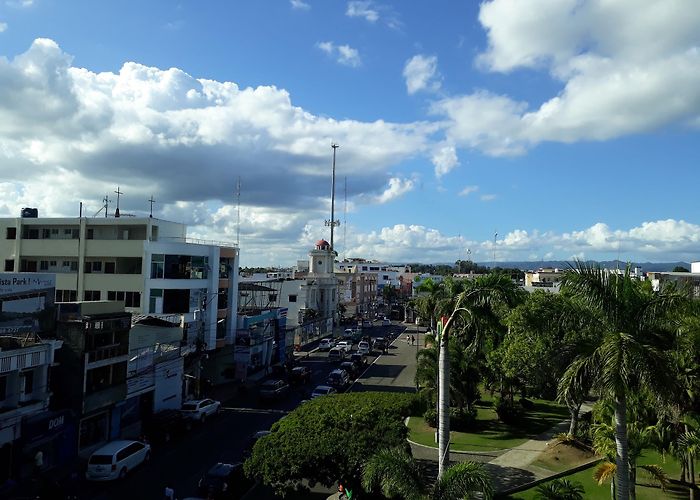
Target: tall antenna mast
[
  {"x": 495, "y": 235},
  {"x": 151, "y": 201},
  {"x": 332, "y": 222},
  {"x": 345, "y": 218},
  {"x": 238, "y": 211},
  {"x": 116, "y": 212}
]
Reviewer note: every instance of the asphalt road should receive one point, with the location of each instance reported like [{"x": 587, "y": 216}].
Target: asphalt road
[{"x": 222, "y": 438}]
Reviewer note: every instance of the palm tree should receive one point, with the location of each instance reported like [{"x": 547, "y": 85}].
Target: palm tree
[
  {"x": 560, "y": 489},
  {"x": 472, "y": 313},
  {"x": 396, "y": 474},
  {"x": 632, "y": 352}
]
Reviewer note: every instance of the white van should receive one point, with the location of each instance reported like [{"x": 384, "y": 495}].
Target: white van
[
  {"x": 363, "y": 347},
  {"x": 336, "y": 354},
  {"x": 115, "y": 459}
]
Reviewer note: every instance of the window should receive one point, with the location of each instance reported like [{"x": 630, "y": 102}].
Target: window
[
  {"x": 97, "y": 267},
  {"x": 273, "y": 297},
  {"x": 132, "y": 299},
  {"x": 157, "y": 265},
  {"x": 66, "y": 295},
  {"x": 45, "y": 233},
  {"x": 52, "y": 263},
  {"x": 44, "y": 265},
  {"x": 9, "y": 265},
  {"x": 90, "y": 234},
  {"x": 110, "y": 267},
  {"x": 66, "y": 232},
  {"x": 92, "y": 295},
  {"x": 54, "y": 231},
  {"x": 66, "y": 263},
  {"x": 11, "y": 233},
  {"x": 28, "y": 266},
  {"x": 292, "y": 298},
  {"x": 28, "y": 381},
  {"x": 31, "y": 234},
  {"x": 74, "y": 266},
  {"x": 75, "y": 233},
  {"x": 386, "y": 277}
]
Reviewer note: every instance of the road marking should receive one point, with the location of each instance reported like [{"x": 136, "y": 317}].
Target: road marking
[{"x": 256, "y": 410}]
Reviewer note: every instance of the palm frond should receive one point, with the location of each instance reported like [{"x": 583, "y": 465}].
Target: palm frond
[
  {"x": 604, "y": 472},
  {"x": 463, "y": 480},
  {"x": 656, "y": 474},
  {"x": 394, "y": 472}
]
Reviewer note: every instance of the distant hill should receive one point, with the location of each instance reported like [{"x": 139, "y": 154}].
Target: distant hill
[{"x": 609, "y": 264}]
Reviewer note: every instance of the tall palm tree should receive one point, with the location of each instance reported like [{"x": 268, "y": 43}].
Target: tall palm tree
[
  {"x": 471, "y": 313},
  {"x": 396, "y": 474},
  {"x": 633, "y": 349}
]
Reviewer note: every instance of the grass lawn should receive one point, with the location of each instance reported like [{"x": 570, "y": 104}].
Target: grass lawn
[
  {"x": 593, "y": 491},
  {"x": 489, "y": 434}
]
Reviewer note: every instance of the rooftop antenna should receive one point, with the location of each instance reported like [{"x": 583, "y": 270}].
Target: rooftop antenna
[
  {"x": 151, "y": 201},
  {"x": 116, "y": 212},
  {"x": 105, "y": 204},
  {"x": 238, "y": 211},
  {"x": 495, "y": 235},
  {"x": 332, "y": 222},
  {"x": 345, "y": 219}
]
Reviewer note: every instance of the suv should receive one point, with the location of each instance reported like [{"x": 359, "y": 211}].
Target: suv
[
  {"x": 345, "y": 345},
  {"x": 114, "y": 460},
  {"x": 200, "y": 410},
  {"x": 336, "y": 354},
  {"x": 326, "y": 344},
  {"x": 300, "y": 375},
  {"x": 363, "y": 347},
  {"x": 338, "y": 379},
  {"x": 273, "y": 388},
  {"x": 359, "y": 360},
  {"x": 322, "y": 390},
  {"x": 380, "y": 344},
  {"x": 161, "y": 427},
  {"x": 386, "y": 322},
  {"x": 350, "y": 367}
]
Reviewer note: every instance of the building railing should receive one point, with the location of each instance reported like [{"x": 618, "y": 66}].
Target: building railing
[
  {"x": 198, "y": 241},
  {"x": 107, "y": 352}
]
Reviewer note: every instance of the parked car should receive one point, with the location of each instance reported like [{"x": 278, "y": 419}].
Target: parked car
[
  {"x": 248, "y": 448},
  {"x": 336, "y": 354},
  {"x": 345, "y": 344},
  {"x": 350, "y": 367},
  {"x": 322, "y": 390},
  {"x": 163, "y": 426},
  {"x": 201, "y": 409},
  {"x": 367, "y": 324},
  {"x": 363, "y": 347},
  {"x": 338, "y": 379},
  {"x": 274, "y": 388},
  {"x": 115, "y": 459},
  {"x": 326, "y": 344},
  {"x": 300, "y": 375},
  {"x": 386, "y": 322},
  {"x": 359, "y": 360},
  {"x": 380, "y": 344},
  {"x": 224, "y": 481}
]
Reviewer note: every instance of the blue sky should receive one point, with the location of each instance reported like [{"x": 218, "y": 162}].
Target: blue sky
[{"x": 569, "y": 127}]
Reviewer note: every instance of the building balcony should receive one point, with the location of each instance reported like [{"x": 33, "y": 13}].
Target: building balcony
[
  {"x": 104, "y": 397},
  {"x": 121, "y": 282},
  {"x": 107, "y": 352},
  {"x": 49, "y": 248},
  {"x": 114, "y": 248}
]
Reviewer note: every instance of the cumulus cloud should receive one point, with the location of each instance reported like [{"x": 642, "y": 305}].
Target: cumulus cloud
[
  {"x": 397, "y": 188},
  {"x": 3, "y": 26},
  {"x": 344, "y": 54},
  {"x": 488, "y": 197},
  {"x": 625, "y": 67},
  {"x": 420, "y": 73},
  {"x": 364, "y": 9},
  {"x": 664, "y": 240},
  {"x": 468, "y": 190},
  {"x": 185, "y": 140},
  {"x": 299, "y": 4},
  {"x": 444, "y": 159}
]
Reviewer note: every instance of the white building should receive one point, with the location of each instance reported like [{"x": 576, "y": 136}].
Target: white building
[
  {"x": 148, "y": 263},
  {"x": 387, "y": 274}
]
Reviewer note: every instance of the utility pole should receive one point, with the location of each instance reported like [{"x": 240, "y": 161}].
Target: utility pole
[
  {"x": 116, "y": 212},
  {"x": 332, "y": 222},
  {"x": 151, "y": 201}
]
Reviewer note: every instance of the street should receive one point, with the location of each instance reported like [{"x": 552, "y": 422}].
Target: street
[{"x": 181, "y": 463}]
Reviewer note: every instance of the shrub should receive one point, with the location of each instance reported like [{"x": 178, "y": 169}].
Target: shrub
[
  {"x": 462, "y": 420},
  {"x": 430, "y": 417},
  {"x": 508, "y": 413}
]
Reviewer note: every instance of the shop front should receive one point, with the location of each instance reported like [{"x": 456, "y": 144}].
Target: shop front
[{"x": 53, "y": 433}]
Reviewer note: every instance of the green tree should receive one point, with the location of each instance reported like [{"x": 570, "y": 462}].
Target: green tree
[
  {"x": 632, "y": 351},
  {"x": 471, "y": 311},
  {"x": 396, "y": 474},
  {"x": 680, "y": 269},
  {"x": 328, "y": 439}
]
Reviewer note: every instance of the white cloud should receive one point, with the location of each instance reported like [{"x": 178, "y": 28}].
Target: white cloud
[
  {"x": 488, "y": 197},
  {"x": 299, "y": 4},
  {"x": 397, "y": 188},
  {"x": 664, "y": 240},
  {"x": 420, "y": 73},
  {"x": 184, "y": 140},
  {"x": 362, "y": 9},
  {"x": 344, "y": 54},
  {"x": 444, "y": 159},
  {"x": 19, "y": 3},
  {"x": 468, "y": 190},
  {"x": 3, "y": 27},
  {"x": 626, "y": 67}
]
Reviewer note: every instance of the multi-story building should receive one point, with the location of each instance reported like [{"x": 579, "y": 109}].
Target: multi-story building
[
  {"x": 147, "y": 263},
  {"x": 25, "y": 362},
  {"x": 545, "y": 277},
  {"x": 90, "y": 378},
  {"x": 358, "y": 292},
  {"x": 387, "y": 274}
]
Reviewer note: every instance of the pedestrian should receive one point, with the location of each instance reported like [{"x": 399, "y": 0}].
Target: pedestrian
[
  {"x": 413, "y": 339},
  {"x": 169, "y": 492},
  {"x": 38, "y": 462},
  {"x": 408, "y": 339}
]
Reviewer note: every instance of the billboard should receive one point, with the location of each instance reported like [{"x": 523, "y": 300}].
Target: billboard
[{"x": 27, "y": 303}]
